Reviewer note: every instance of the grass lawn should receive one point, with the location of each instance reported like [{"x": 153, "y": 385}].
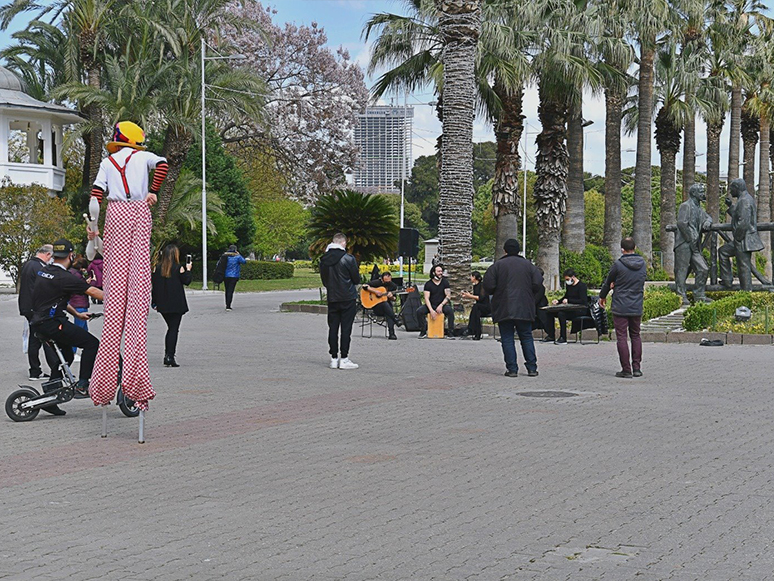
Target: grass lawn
[{"x": 302, "y": 278}]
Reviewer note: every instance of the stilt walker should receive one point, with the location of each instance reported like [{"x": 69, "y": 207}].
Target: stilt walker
[{"x": 123, "y": 178}]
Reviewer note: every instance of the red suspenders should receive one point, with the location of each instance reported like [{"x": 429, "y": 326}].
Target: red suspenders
[{"x": 122, "y": 171}]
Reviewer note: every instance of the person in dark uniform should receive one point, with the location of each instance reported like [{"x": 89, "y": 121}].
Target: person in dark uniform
[
  {"x": 50, "y": 297},
  {"x": 27, "y": 278},
  {"x": 575, "y": 293},
  {"x": 385, "y": 286},
  {"x": 480, "y": 308},
  {"x": 168, "y": 297}
]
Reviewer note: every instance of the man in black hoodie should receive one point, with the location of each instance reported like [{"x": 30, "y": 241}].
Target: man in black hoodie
[
  {"x": 340, "y": 275},
  {"x": 627, "y": 279}
]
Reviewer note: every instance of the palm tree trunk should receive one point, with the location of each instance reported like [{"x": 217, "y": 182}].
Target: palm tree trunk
[
  {"x": 574, "y": 232},
  {"x": 689, "y": 155},
  {"x": 505, "y": 189},
  {"x": 668, "y": 195},
  {"x": 750, "y": 125},
  {"x": 613, "y": 112},
  {"x": 550, "y": 190},
  {"x": 177, "y": 143},
  {"x": 736, "y": 127},
  {"x": 714, "y": 130},
  {"x": 643, "y": 209},
  {"x": 764, "y": 192},
  {"x": 460, "y": 24}
]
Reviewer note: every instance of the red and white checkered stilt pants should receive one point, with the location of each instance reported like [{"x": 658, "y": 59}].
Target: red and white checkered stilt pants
[{"x": 127, "y": 285}]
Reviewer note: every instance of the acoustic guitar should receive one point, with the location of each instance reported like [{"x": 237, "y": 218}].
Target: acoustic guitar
[{"x": 369, "y": 297}]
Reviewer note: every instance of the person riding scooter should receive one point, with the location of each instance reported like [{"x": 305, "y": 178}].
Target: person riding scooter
[{"x": 50, "y": 296}]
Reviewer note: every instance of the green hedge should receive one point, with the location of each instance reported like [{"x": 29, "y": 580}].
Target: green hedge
[
  {"x": 658, "y": 302},
  {"x": 258, "y": 270},
  {"x": 251, "y": 270},
  {"x": 703, "y": 315}
]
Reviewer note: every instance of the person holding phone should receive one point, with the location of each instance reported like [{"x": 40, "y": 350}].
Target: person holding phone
[{"x": 168, "y": 296}]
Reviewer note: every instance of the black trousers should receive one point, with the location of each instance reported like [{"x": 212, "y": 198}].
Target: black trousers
[
  {"x": 563, "y": 317},
  {"x": 230, "y": 283},
  {"x": 476, "y": 312},
  {"x": 423, "y": 311},
  {"x": 385, "y": 310},
  {"x": 341, "y": 316},
  {"x": 33, "y": 353},
  {"x": 173, "y": 328},
  {"x": 66, "y": 334}
]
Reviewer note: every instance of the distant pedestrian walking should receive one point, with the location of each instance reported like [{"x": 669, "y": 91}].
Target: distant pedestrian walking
[
  {"x": 168, "y": 297},
  {"x": 80, "y": 302},
  {"x": 27, "y": 278},
  {"x": 515, "y": 286},
  {"x": 627, "y": 281},
  {"x": 231, "y": 264},
  {"x": 95, "y": 271},
  {"x": 340, "y": 275}
]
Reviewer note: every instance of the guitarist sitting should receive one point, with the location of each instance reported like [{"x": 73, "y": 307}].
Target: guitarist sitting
[{"x": 384, "y": 287}]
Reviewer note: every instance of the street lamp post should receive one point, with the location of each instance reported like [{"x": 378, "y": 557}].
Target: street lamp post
[{"x": 204, "y": 157}]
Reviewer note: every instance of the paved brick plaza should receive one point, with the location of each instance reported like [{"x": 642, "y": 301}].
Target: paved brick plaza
[{"x": 263, "y": 464}]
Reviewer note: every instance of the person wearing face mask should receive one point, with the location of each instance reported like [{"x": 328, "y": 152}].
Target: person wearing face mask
[
  {"x": 575, "y": 293},
  {"x": 437, "y": 296},
  {"x": 53, "y": 288}
]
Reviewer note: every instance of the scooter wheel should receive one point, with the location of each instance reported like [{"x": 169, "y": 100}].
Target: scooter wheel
[
  {"x": 127, "y": 406},
  {"x": 14, "y": 402}
]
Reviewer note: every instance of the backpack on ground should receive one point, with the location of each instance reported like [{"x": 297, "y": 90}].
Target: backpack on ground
[{"x": 409, "y": 311}]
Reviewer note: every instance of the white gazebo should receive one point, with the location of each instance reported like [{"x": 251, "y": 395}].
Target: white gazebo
[{"x": 31, "y": 136}]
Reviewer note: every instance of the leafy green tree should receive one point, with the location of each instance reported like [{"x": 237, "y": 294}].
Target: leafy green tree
[
  {"x": 412, "y": 215},
  {"x": 227, "y": 180},
  {"x": 369, "y": 222},
  {"x": 31, "y": 218},
  {"x": 280, "y": 225},
  {"x": 484, "y": 224}
]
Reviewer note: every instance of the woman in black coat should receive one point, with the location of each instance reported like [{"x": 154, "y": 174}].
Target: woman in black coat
[{"x": 168, "y": 297}]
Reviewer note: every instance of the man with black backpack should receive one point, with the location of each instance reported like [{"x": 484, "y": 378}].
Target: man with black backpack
[{"x": 340, "y": 275}]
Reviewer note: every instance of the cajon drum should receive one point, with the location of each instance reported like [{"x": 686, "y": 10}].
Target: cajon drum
[{"x": 435, "y": 327}]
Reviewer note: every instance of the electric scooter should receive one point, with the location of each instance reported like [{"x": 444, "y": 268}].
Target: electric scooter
[{"x": 24, "y": 404}]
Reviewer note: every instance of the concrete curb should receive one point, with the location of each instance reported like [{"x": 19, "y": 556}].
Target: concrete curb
[{"x": 590, "y": 335}]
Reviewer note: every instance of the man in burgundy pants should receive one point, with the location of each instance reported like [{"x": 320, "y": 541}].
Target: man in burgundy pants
[{"x": 627, "y": 280}]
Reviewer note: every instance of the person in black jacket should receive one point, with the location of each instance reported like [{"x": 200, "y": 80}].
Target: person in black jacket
[
  {"x": 27, "y": 278},
  {"x": 575, "y": 293},
  {"x": 340, "y": 275},
  {"x": 168, "y": 297},
  {"x": 481, "y": 308},
  {"x": 627, "y": 280},
  {"x": 515, "y": 286}
]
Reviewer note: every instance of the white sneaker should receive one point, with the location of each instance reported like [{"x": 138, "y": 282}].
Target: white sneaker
[
  {"x": 334, "y": 363},
  {"x": 345, "y": 363}
]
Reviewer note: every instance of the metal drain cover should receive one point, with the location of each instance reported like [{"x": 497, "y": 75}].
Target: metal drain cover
[{"x": 546, "y": 394}]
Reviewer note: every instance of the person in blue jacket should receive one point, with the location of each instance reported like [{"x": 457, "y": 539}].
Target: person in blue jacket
[{"x": 233, "y": 269}]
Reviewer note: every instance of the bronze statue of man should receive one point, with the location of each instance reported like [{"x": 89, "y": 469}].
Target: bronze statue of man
[
  {"x": 691, "y": 220},
  {"x": 744, "y": 225}
]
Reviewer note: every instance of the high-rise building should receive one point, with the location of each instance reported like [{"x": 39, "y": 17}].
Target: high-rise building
[{"x": 383, "y": 135}]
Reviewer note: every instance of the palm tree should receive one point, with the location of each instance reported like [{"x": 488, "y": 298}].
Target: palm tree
[
  {"x": 749, "y": 126},
  {"x": 617, "y": 54},
  {"x": 674, "y": 75},
  {"x": 459, "y": 22},
  {"x": 650, "y": 20},
  {"x": 369, "y": 222}
]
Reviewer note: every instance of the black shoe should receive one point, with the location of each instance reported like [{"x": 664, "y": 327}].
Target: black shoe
[
  {"x": 477, "y": 338},
  {"x": 169, "y": 361},
  {"x": 547, "y": 339},
  {"x": 637, "y": 373},
  {"x": 561, "y": 341},
  {"x": 423, "y": 335},
  {"x": 54, "y": 410},
  {"x": 38, "y": 376},
  {"x": 532, "y": 373},
  {"x": 624, "y": 374},
  {"x": 392, "y": 337},
  {"x": 511, "y": 374},
  {"x": 398, "y": 322}
]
